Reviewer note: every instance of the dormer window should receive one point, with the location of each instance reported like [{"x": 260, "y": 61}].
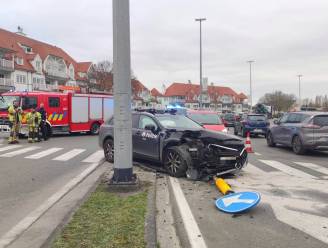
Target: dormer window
[
  {"x": 19, "y": 61},
  {"x": 27, "y": 49}
]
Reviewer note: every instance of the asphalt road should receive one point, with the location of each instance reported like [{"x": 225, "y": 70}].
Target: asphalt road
[
  {"x": 293, "y": 211},
  {"x": 31, "y": 173}
]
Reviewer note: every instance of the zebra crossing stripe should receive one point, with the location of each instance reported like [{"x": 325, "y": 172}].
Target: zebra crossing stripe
[
  {"x": 69, "y": 155},
  {"x": 287, "y": 169},
  {"x": 95, "y": 157},
  {"x": 315, "y": 167},
  {"x": 44, "y": 153},
  {"x": 6, "y": 148},
  {"x": 20, "y": 151}
]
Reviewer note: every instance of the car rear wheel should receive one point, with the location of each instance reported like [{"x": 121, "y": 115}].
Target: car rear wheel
[
  {"x": 297, "y": 146},
  {"x": 176, "y": 161},
  {"x": 270, "y": 140},
  {"x": 109, "y": 150}
]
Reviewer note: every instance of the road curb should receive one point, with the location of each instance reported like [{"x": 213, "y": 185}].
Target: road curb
[{"x": 44, "y": 230}]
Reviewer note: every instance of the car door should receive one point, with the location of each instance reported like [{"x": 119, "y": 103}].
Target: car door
[
  {"x": 146, "y": 143},
  {"x": 290, "y": 128},
  {"x": 277, "y": 131},
  {"x": 135, "y": 129}
]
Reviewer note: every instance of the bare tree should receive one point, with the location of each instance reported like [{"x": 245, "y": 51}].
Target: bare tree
[
  {"x": 278, "y": 100},
  {"x": 102, "y": 73}
]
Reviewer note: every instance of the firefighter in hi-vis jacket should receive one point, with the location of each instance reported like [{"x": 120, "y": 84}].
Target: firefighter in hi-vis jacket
[
  {"x": 33, "y": 121},
  {"x": 15, "y": 119}
]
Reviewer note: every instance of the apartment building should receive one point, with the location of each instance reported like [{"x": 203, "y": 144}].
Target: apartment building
[{"x": 27, "y": 64}]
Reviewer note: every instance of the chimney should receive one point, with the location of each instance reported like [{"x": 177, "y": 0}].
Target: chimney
[
  {"x": 189, "y": 82},
  {"x": 20, "y": 31}
]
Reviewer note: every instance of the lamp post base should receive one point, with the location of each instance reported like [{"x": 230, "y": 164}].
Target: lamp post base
[{"x": 124, "y": 179}]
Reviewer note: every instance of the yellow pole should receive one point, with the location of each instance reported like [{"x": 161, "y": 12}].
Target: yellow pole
[{"x": 223, "y": 187}]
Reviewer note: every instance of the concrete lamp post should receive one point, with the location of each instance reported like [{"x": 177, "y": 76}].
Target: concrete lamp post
[{"x": 123, "y": 172}]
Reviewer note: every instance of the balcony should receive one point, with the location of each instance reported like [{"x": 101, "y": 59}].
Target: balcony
[
  {"x": 56, "y": 74},
  {"x": 6, "y": 85},
  {"x": 45, "y": 87},
  {"x": 6, "y": 65}
]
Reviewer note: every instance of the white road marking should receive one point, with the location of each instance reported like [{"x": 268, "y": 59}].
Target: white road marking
[
  {"x": 287, "y": 169},
  {"x": 194, "y": 235},
  {"x": 315, "y": 167},
  {"x": 236, "y": 199},
  {"x": 25, "y": 223},
  {"x": 6, "y": 148},
  {"x": 257, "y": 154},
  {"x": 69, "y": 155},
  {"x": 95, "y": 157},
  {"x": 44, "y": 153},
  {"x": 253, "y": 169},
  {"x": 20, "y": 151}
]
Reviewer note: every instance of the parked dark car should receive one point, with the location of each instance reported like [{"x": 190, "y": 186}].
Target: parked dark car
[
  {"x": 300, "y": 130},
  {"x": 179, "y": 144},
  {"x": 229, "y": 119},
  {"x": 255, "y": 124}
]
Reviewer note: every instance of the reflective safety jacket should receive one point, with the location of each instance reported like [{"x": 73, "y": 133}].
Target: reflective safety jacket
[
  {"x": 14, "y": 114},
  {"x": 33, "y": 119}
]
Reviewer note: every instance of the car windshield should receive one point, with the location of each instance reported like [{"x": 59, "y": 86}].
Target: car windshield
[
  {"x": 256, "y": 118},
  {"x": 229, "y": 117},
  {"x": 209, "y": 119},
  {"x": 6, "y": 101},
  {"x": 177, "y": 121}
]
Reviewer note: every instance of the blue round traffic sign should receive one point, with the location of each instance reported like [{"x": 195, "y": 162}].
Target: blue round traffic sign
[{"x": 238, "y": 202}]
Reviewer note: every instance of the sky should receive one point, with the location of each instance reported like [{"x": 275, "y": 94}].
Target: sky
[{"x": 284, "y": 37}]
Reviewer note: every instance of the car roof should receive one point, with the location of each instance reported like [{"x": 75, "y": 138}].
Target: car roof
[
  {"x": 309, "y": 112},
  {"x": 195, "y": 111}
]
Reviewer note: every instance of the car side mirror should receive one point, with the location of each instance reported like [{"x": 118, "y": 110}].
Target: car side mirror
[
  {"x": 277, "y": 122},
  {"x": 151, "y": 128}
]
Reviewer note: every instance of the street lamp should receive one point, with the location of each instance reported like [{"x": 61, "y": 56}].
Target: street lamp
[
  {"x": 123, "y": 173},
  {"x": 250, "y": 82},
  {"x": 299, "y": 89},
  {"x": 200, "y": 60}
]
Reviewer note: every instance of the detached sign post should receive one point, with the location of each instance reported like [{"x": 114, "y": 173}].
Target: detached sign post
[{"x": 123, "y": 173}]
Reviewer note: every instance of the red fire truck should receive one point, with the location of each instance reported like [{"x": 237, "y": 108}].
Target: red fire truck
[{"x": 66, "y": 112}]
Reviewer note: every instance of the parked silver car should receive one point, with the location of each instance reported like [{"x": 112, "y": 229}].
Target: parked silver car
[{"x": 300, "y": 130}]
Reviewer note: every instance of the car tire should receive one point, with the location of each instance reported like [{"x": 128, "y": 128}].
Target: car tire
[
  {"x": 176, "y": 161},
  {"x": 109, "y": 150},
  {"x": 297, "y": 145},
  {"x": 270, "y": 141},
  {"x": 94, "y": 130}
]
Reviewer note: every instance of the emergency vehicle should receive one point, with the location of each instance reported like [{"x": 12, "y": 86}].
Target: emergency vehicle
[{"x": 66, "y": 112}]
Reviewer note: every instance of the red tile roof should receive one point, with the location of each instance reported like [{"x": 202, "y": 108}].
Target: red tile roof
[
  {"x": 154, "y": 92},
  {"x": 11, "y": 41},
  {"x": 242, "y": 96},
  {"x": 137, "y": 86}
]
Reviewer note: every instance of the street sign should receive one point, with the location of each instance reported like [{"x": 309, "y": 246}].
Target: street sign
[{"x": 238, "y": 202}]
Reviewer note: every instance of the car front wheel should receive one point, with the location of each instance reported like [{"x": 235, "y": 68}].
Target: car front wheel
[
  {"x": 176, "y": 161},
  {"x": 269, "y": 138},
  {"x": 109, "y": 150},
  {"x": 297, "y": 145}
]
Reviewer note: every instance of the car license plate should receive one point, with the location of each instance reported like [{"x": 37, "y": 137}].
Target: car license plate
[{"x": 257, "y": 130}]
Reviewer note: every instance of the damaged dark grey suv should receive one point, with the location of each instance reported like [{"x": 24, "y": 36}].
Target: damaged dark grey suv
[{"x": 179, "y": 144}]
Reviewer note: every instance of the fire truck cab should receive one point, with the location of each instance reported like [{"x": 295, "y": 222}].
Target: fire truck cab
[{"x": 66, "y": 112}]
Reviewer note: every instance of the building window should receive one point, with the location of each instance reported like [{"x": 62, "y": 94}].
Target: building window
[
  {"x": 53, "y": 102},
  {"x": 19, "y": 61},
  {"x": 34, "y": 80},
  {"x": 21, "y": 79},
  {"x": 38, "y": 65}
]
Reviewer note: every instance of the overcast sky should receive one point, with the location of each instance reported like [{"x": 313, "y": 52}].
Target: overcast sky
[{"x": 284, "y": 37}]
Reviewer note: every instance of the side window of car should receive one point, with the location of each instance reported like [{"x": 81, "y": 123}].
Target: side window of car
[
  {"x": 292, "y": 118},
  {"x": 284, "y": 118},
  {"x": 146, "y": 120}
]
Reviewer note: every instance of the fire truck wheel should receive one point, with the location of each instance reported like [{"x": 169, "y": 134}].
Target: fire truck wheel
[{"x": 94, "y": 130}]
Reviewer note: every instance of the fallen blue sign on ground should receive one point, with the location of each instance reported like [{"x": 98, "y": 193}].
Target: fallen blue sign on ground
[{"x": 238, "y": 202}]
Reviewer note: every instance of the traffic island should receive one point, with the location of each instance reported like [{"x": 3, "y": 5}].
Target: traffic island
[{"x": 111, "y": 218}]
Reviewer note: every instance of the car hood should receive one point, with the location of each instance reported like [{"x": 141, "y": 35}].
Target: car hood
[{"x": 209, "y": 136}]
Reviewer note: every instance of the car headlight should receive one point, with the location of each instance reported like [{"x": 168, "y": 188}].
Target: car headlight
[{"x": 225, "y": 130}]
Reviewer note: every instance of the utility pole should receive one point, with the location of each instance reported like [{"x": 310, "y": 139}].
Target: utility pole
[
  {"x": 200, "y": 61},
  {"x": 250, "y": 82},
  {"x": 299, "y": 90},
  {"x": 123, "y": 173}
]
